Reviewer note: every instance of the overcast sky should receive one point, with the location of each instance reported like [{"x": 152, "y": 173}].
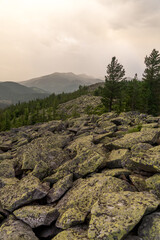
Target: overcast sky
[{"x": 39, "y": 37}]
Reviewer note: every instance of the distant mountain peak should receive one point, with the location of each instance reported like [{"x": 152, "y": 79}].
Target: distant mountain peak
[{"x": 61, "y": 82}]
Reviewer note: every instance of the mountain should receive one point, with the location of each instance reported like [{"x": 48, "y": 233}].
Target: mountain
[
  {"x": 60, "y": 82},
  {"x": 12, "y": 92}
]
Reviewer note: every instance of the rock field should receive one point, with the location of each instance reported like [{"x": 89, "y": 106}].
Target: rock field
[{"x": 89, "y": 178}]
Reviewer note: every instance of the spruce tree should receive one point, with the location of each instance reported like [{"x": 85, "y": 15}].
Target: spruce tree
[
  {"x": 115, "y": 74},
  {"x": 151, "y": 78}
]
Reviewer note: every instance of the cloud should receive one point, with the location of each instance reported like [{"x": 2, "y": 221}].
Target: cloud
[{"x": 42, "y": 36}]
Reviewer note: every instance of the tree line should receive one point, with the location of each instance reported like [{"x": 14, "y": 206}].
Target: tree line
[
  {"x": 120, "y": 95},
  {"x": 36, "y": 111}
]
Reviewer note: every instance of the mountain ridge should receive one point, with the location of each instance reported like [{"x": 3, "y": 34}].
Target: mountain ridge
[{"x": 60, "y": 82}]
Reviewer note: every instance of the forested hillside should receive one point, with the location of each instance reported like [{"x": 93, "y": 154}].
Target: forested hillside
[{"x": 117, "y": 94}]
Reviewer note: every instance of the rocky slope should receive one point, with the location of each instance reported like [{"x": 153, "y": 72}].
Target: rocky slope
[{"x": 92, "y": 177}]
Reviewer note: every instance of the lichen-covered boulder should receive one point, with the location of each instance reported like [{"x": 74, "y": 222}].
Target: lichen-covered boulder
[
  {"x": 78, "y": 201},
  {"x": 40, "y": 170},
  {"x": 47, "y": 149},
  {"x": 116, "y": 172},
  {"x": 75, "y": 233},
  {"x": 88, "y": 158},
  {"x": 147, "y": 161},
  {"x": 13, "y": 229},
  {"x": 139, "y": 182},
  {"x": 148, "y": 135},
  {"x": 59, "y": 188},
  {"x": 7, "y": 168},
  {"x": 37, "y": 215},
  {"x": 117, "y": 157},
  {"x": 140, "y": 148},
  {"x": 8, "y": 181},
  {"x": 114, "y": 215},
  {"x": 150, "y": 227},
  {"x": 25, "y": 191},
  {"x": 153, "y": 183}
]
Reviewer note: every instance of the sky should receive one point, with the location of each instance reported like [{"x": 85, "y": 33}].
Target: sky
[{"x": 39, "y": 37}]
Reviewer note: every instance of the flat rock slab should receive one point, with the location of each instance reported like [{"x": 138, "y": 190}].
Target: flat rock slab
[
  {"x": 25, "y": 191},
  {"x": 13, "y": 229},
  {"x": 37, "y": 215},
  {"x": 148, "y": 135},
  {"x": 114, "y": 215},
  {"x": 150, "y": 227},
  {"x": 78, "y": 201}
]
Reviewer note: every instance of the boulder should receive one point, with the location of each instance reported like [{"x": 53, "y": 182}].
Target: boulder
[
  {"x": 40, "y": 170},
  {"x": 36, "y": 215},
  {"x": 139, "y": 182},
  {"x": 46, "y": 149},
  {"x": 7, "y": 168},
  {"x": 116, "y": 172},
  {"x": 8, "y": 181},
  {"x": 114, "y": 215},
  {"x": 88, "y": 158},
  {"x": 60, "y": 188},
  {"x": 153, "y": 183},
  {"x": 147, "y": 161},
  {"x": 74, "y": 233},
  {"x": 78, "y": 201},
  {"x": 117, "y": 157},
  {"x": 25, "y": 191},
  {"x": 17, "y": 230},
  {"x": 150, "y": 227},
  {"x": 148, "y": 135}
]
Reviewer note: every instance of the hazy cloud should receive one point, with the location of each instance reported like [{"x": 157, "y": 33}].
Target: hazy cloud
[{"x": 43, "y": 36}]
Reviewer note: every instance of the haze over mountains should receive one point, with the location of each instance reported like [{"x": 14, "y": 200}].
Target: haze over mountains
[
  {"x": 61, "y": 82},
  {"x": 12, "y": 93},
  {"x": 40, "y": 87}
]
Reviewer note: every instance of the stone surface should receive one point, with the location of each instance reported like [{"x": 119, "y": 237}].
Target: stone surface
[
  {"x": 117, "y": 157},
  {"x": 47, "y": 149},
  {"x": 116, "y": 172},
  {"x": 75, "y": 233},
  {"x": 88, "y": 158},
  {"x": 78, "y": 201},
  {"x": 153, "y": 183},
  {"x": 150, "y": 227},
  {"x": 7, "y": 168},
  {"x": 114, "y": 215},
  {"x": 36, "y": 215},
  {"x": 60, "y": 188},
  {"x": 139, "y": 182},
  {"x": 13, "y": 229},
  {"x": 26, "y": 191},
  {"x": 148, "y": 135},
  {"x": 8, "y": 181}
]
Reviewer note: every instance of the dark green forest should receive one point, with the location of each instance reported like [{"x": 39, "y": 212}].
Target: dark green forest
[{"x": 118, "y": 95}]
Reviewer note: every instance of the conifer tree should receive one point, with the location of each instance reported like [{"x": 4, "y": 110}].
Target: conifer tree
[
  {"x": 151, "y": 78},
  {"x": 115, "y": 74}
]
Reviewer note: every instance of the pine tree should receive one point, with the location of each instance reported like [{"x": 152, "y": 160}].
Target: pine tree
[
  {"x": 115, "y": 74},
  {"x": 151, "y": 78}
]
